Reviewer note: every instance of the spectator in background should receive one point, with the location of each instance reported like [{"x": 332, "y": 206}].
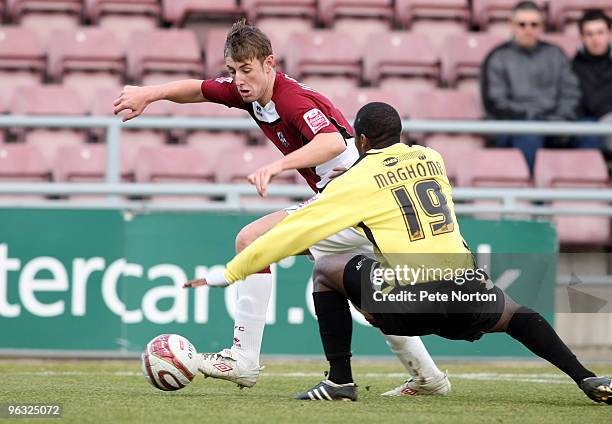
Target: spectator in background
[
  {"x": 528, "y": 79},
  {"x": 593, "y": 66}
]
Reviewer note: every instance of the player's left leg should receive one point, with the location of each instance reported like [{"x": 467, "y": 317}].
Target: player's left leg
[{"x": 533, "y": 331}]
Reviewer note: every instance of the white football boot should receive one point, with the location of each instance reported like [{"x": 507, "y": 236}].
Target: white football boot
[
  {"x": 225, "y": 366},
  {"x": 418, "y": 386}
]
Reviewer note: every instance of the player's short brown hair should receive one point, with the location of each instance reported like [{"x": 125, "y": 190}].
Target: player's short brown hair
[{"x": 245, "y": 42}]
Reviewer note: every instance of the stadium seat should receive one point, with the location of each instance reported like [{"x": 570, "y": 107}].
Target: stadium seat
[
  {"x": 569, "y": 43},
  {"x": 173, "y": 164},
  {"x": 208, "y": 141},
  {"x": 575, "y": 169},
  {"x": 494, "y": 168},
  {"x": 178, "y": 11},
  {"x": 21, "y": 162},
  {"x": 444, "y": 104},
  {"x": 565, "y": 13},
  {"x": 323, "y": 59},
  {"x": 86, "y": 163},
  {"x": 131, "y": 139},
  {"x": 41, "y": 100},
  {"x": 86, "y": 58},
  {"x": 22, "y": 59},
  {"x": 239, "y": 163},
  {"x": 401, "y": 54},
  {"x": 44, "y": 16},
  {"x": 494, "y": 15},
  {"x": 357, "y": 18},
  {"x": 350, "y": 102},
  {"x": 163, "y": 55},
  {"x": 436, "y": 18},
  {"x": 279, "y": 18},
  {"x": 123, "y": 17},
  {"x": 462, "y": 56},
  {"x": 455, "y": 149}
]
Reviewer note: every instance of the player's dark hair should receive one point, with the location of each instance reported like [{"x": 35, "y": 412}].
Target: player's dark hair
[
  {"x": 245, "y": 42},
  {"x": 379, "y": 122},
  {"x": 526, "y": 5},
  {"x": 593, "y": 15}
]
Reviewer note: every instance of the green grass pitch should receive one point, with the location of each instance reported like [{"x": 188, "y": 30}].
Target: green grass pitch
[{"x": 116, "y": 392}]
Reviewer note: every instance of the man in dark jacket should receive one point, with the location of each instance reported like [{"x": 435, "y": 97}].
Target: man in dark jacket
[
  {"x": 528, "y": 79},
  {"x": 593, "y": 66}
]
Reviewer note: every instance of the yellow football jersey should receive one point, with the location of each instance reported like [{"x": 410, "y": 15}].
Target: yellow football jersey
[{"x": 398, "y": 197}]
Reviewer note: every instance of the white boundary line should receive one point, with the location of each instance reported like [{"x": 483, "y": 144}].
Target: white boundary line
[{"x": 545, "y": 378}]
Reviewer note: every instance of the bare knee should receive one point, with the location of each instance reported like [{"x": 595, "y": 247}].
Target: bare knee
[
  {"x": 245, "y": 237},
  {"x": 321, "y": 277}
]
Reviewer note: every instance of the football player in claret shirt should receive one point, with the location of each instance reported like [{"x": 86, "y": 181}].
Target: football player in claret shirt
[
  {"x": 400, "y": 198},
  {"x": 316, "y": 139}
]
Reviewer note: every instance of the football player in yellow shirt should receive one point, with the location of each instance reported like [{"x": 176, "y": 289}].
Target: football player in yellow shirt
[{"x": 424, "y": 279}]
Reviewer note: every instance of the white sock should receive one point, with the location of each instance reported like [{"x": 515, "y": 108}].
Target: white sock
[
  {"x": 250, "y": 316},
  {"x": 414, "y": 356}
]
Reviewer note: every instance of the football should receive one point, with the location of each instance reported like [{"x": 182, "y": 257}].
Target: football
[{"x": 169, "y": 362}]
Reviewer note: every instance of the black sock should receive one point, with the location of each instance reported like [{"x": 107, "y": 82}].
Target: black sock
[
  {"x": 336, "y": 328},
  {"x": 532, "y": 330}
]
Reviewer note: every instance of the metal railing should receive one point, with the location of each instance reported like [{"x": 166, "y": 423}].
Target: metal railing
[{"x": 230, "y": 194}]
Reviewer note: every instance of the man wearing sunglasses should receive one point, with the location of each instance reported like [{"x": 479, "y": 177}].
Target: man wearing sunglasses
[{"x": 528, "y": 79}]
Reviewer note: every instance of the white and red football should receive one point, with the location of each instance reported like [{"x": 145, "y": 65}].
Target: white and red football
[{"x": 169, "y": 362}]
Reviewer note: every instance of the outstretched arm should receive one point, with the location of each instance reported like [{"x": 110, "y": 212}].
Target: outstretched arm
[{"x": 136, "y": 99}]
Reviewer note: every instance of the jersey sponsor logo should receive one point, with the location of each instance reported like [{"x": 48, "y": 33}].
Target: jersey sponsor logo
[
  {"x": 390, "y": 161},
  {"x": 316, "y": 120},
  {"x": 224, "y": 80},
  {"x": 282, "y": 139}
]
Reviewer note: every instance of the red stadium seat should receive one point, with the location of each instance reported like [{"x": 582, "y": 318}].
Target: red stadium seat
[
  {"x": 569, "y": 43},
  {"x": 86, "y": 58},
  {"x": 436, "y": 18},
  {"x": 44, "y": 16},
  {"x": 279, "y": 18},
  {"x": 86, "y": 163},
  {"x": 323, "y": 59},
  {"x": 494, "y": 168},
  {"x": 210, "y": 142},
  {"x": 558, "y": 168},
  {"x": 131, "y": 139},
  {"x": 41, "y": 100},
  {"x": 575, "y": 168},
  {"x": 462, "y": 56},
  {"x": 123, "y": 17},
  {"x": 495, "y": 15},
  {"x": 163, "y": 55},
  {"x": 349, "y": 103},
  {"x": 400, "y": 54},
  {"x": 444, "y": 104},
  {"x": 565, "y": 13},
  {"x": 173, "y": 164},
  {"x": 239, "y": 163},
  {"x": 21, "y": 162},
  {"x": 357, "y": 18},
  {"x": 22, "y": 59},
  {"x": 455, "y": 149},
  {"x": 178, "y": 11}
]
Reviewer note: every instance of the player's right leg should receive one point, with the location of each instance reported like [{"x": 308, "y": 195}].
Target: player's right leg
[{"x": 240, "y": 363}]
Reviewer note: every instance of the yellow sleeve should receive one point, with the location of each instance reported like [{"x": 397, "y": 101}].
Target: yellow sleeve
[{"x": 338, "y": 207}]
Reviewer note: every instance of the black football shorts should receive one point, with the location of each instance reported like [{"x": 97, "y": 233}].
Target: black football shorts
[{"x": 445, "y": 308}]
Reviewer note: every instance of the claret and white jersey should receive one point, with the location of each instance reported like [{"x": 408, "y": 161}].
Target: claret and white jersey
[{"x": 291, "y": 119}]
